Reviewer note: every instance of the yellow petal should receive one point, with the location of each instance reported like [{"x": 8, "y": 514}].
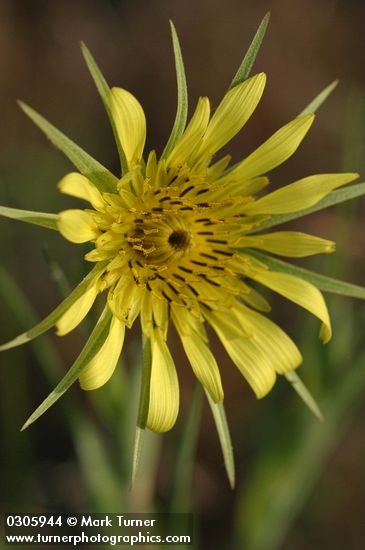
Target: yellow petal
[
  {"x": 299, "y": 195},
  {"x": 301, "y": 292},
  {"x": 203, "y": 363},
  {"x": 232, "y": 114},
  {"x": 130, "y": 123},
  {"x": 77, "y": 226},
  {"x": 283, "y": 354},
  {"x": 79, "y": 309},
  {"x": 246, "y": 353},
  {"x": 231, "y": 187},
  {"x": 164, "y": 387},
  {"x": 254, "y": 299},
  {"x": 125, "y": 299},
  {"x": 277, "y": 149},
  {"x": 77, "y": 185},
  {"x": 102, "y": 365},
  {"x": 191, "y": 138},
  {"x": 289, "y": 243}
]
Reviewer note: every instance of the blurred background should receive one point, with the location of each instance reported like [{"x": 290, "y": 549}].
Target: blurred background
[{"x": 300, "y": 484}]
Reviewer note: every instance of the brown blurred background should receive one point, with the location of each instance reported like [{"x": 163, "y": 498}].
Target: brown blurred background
[{"x": 308, "y": 44}]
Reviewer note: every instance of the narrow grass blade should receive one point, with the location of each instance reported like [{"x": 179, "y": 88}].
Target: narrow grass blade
[
  {"x": 327, "y": 284},
  {"x": 333, "y": 198},
  {"x": 286, "y": 472},
  {"x": 220, "y": 420},
  {"x": 92, "y": 346},
  {"x": 249, "y": 59},
  {"x": 88, "y": 166},
  {"x": 53, "y": 317},
  {"x": 304, "y": 394},
  {"x": 182, "y": 96},
  {"x": 104, "y": 488},
  {"x": 183, "y": 471},
  {"x": 104, "y": 91},
  {"x": 37, "y": 218},
  {"x": 319, "y": 99}
]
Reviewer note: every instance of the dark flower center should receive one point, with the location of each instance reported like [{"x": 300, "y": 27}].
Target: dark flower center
[{"x": 179, "y": 239}]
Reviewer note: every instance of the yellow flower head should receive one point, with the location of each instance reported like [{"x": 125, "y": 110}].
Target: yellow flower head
[
  {"x": 174, "y": 236},
  {"x": 174, "y": 242}
]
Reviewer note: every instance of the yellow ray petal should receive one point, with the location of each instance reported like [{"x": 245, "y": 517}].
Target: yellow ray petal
[
  {"x": 164, "y": 387},
  {"x": 244, "y": 350},
  {"x": 299, "y": 195},
  {"x": 276, "y": 150},
  {"x": 281, "y": 351},
  {"x": 186, "y": 147},
  {"x": 79, "y": 309},
  {"x": 77, "y": 226},
  {"x": 301, "y": 292},
  {"x": 232, "y": 114},
  {"x": 125, "y": 299},
  {"x": 203, "y": 363},
  {"x": 130, "y": 123},
  {"x": 79, "y": 186},
  {"x": 232, "y": 187},
  {"x": 255, "y": 299},
  {"x": 289, "y": 243},
  {"x": 101, "y": 367}
]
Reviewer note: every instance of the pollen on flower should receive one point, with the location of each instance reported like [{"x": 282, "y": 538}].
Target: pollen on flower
[{"x": 173, "y": 245}]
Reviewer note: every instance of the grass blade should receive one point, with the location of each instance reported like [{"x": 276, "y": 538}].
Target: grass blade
[
  {"x": 333, "y": 198},
  {"x": 53, "y": 317},
  {"x": 88, "y": 166},
  {"x": 327, "y": 284},
  {"x": 104, "y": 91},
  {"x": 183, "y": 471},
  {"x": 304, "y": 394},
  {"x": 182, "y": 96},
  {"x": 92, "y": 346},
  {"x": 37, "y": 218},
  {"x": 319, "y": 99},
  {"x": 249, "y": 59},
  {"x": 220, "y": 420}
]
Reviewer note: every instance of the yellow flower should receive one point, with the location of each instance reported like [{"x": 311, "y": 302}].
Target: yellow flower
[
  {"x": 174, "y": 237},
  {"x": 172, "y": 244}
]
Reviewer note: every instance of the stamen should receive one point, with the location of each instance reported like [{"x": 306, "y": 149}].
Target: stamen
[{"x": 186, "y": 190}]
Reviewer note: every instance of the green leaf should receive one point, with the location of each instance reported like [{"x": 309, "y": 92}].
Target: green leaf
[
  {"x": 304, "y": 394},
  {"x": 104, "y": 91},
  {"x": 92, "y": 346},
  {"x": 53, "y": 317},
  {"x": 335, "y": 197},
  {"x": 37, "y": 218},
  {"x": 220, "y": 420},
  {"x": 88, "y": 166},
  {"x": 319, "y": 99},
  {"x": 249, "y": 59},
  {"x": 182, "y": 96},
  {"x": 327, "y": 284}
]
